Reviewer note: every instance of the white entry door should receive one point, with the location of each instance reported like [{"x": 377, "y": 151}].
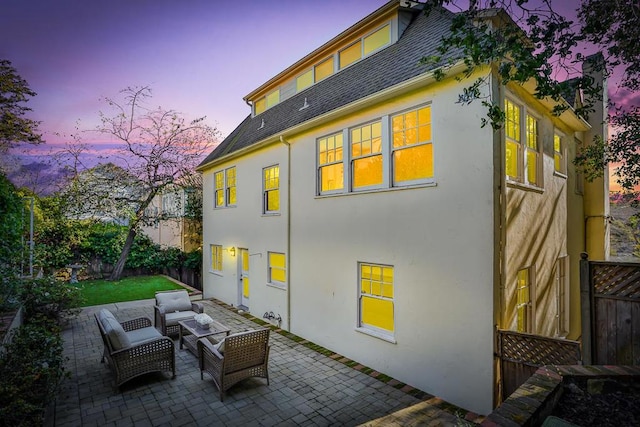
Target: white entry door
[{"x": 243, "y": 275}]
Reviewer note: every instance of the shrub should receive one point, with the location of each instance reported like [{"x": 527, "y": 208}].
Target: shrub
[{"x": 50, "y": 298}]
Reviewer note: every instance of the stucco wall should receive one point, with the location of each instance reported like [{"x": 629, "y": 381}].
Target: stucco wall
[{"x": 439, "y": 240}]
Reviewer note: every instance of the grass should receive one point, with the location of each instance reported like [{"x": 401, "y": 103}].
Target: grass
[{"x": 97, "y": 292}]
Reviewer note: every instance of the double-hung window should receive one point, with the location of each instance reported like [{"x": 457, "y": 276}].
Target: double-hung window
[
  {"x": 412, "y": 148},
  {"x": 277, "y": 270},
  {"x": 393, "y": 151},
  {"x": 523, "y": 159},
  {"x": 225, "y": 188},
  {"x": 271, "y": 189},
  {"x": 376, "y": 299},
  {"x": 366, "y": 155},
  {"x": 216, "y": 258},
  {"x": 559, "y": 162},
  {"x": 524, "y": 309},
  {"x": 330, "y": 163}
]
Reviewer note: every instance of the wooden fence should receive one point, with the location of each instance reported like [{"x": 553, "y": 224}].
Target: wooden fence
[
  {"x": 520, "y": 355},
  {"x": 610, "y": 297}
]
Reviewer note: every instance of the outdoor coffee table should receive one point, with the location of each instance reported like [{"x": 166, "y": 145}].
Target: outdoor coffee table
[{"x": 195, "y": 332}]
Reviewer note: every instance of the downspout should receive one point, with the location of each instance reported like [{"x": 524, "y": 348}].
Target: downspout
[{"x": 288, "y": 257}]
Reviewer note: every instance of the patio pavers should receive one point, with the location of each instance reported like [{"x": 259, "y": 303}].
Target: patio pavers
[{"x": 306, "y": 387}]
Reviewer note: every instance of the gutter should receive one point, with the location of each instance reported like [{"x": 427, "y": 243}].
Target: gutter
[{"x": 288, "y": 256}]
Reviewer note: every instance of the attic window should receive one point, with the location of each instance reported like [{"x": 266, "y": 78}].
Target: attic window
[
  {"x": 377, "y": 39},
  {"x": 351, "y": 54}
]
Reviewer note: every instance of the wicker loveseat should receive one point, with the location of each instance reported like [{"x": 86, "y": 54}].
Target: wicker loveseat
[
  {"x": 172, "y": 307},
  {"x": 134, "y": 347},
  {"x": 236, "y": 357}
]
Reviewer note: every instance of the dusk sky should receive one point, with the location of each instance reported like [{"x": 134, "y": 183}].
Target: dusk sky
[{"x": 200, "y": 57}]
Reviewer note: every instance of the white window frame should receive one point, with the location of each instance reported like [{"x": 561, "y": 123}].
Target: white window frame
[
  {"x": 523, "y": 147},
  {"x": 213, "y": 254},
  {"x": 265, "y": 205},
  {"x": 370, "y": 329},
  {"x": 352, "y": 159},
  {"x": 225, "y": 189},
  {"x": 530, "y": 305},
  {"x": 387, "y": 158},
  {"x": 319, "y": 166},
  {"x": 562, "y": 153},
  {"x": 270, "y": 280},
  {"x": 419, "y": 144}
]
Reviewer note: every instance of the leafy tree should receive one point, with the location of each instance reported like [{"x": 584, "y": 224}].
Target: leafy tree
[
  {"x": 533, "y": 42},
  {"x": 159, "y": 147},
  {"x": 14, "y": 92},
  {"x": 11, "y": 228}
]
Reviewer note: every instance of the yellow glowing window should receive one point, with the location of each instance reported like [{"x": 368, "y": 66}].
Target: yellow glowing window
[
  {"x": 231, "y": 185},
  {"x": 216, "y": 258},
  {"x": 277, "y": 267},
  {"x": 366, "y": 152},
  {"x": 558, "y": 154},
  {"x": 273, "y": 98},
  {"x": 412, "y": 146},
  {"x": 351, "y": 54},
  {"x": 219, "y": 189},
  {"x": 260, "y": 106},
  {"x": 330, "y": 166},
  {"x": 523, "y": 301},
  {"x": 271, "y": 185},
  {"x": 532, "y": 155},
  {"x": 324, "y": 69},
  {"x": 377, "y": 39},
  {"x": 304, "y": 80},
  {"x": 245, "y": 272},
  {"x": 513, "y": 139},
  {"x": 376, "y": 297}
]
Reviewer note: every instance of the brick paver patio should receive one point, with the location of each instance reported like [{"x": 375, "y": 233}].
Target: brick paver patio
[{"x": 307, "y": 388}]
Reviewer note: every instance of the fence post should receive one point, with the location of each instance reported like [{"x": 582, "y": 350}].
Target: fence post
[{"x": 586, "y": 309}]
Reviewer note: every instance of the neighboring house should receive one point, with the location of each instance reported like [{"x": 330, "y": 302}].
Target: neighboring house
[
  {"x": 373, "y": 215},
  {"x": 166, "y": 223}
]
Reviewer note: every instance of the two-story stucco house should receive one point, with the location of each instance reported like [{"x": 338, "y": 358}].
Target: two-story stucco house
[{"x": 370, "y": 212}]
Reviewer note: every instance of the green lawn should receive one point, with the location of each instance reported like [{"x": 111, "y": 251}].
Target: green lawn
[{"x": 96, "y": 292}]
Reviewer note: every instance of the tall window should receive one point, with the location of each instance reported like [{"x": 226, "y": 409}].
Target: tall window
[
  {"x": 512, "y": 132},
  {"x": 218, "y": 178},
  {"x": 273, "y": 98},
  {"x": 366, "y": 155},
  {"x": 376, "y": 293},
  {"x": 523, "y": 162},
  {"x": 532, "y": 153},
  {"x": 216, "y": 258},
  {"x": 230, "y": 185},
  {"x": 523, "y": 301},
  {"x": 330, "y": 163},
  {"x": 271, "y": 189},
  {"x": 225, "y": 187},
  {"x": 260, "y": 106},
  {"x": 412, "y": 148},
  {"x": 558, "y": 154},
  {"x": 277, "y": 273},
  {"x": 562, "y": 295}
]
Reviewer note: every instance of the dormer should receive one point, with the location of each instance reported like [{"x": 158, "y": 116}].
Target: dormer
[{"x": 370, "y": 35}]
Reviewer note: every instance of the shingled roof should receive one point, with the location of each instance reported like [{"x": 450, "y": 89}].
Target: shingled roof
[{"x": 389, "y": 67}]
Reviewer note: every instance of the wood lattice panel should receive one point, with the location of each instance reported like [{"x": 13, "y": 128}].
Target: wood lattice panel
[
  {"x": 534, "y": 350},
  {"x": 616, "y": 280}
]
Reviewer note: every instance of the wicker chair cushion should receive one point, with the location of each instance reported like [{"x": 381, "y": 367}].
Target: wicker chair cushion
[
  {"x": 220, "y": 346},
  {"x": 173, "y": 301},
  {"x": 173, "y": 318},
  {"x": 115, "y": 333},
  {"x": 142, "y": 335}
]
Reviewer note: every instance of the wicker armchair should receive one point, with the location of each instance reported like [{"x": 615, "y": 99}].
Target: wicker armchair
[
  {"x": 134, "y": 347},
  {"x": 171, "y": 307},
  {"x": 238, "y": 356}
]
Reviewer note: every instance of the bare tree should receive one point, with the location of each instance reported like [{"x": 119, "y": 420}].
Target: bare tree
[{"x": 159, "y": 147}]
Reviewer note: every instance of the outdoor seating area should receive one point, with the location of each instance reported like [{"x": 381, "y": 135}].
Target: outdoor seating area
[
  {"x": 171, "y": 307},
  {"x": 303, "y": 387}
]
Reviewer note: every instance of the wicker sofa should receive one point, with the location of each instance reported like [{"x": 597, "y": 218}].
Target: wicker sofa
[
  {"x": 172, "y": 307},
  {"x": 134, "y": 347},
  {"x": 236, "y": 357}
]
